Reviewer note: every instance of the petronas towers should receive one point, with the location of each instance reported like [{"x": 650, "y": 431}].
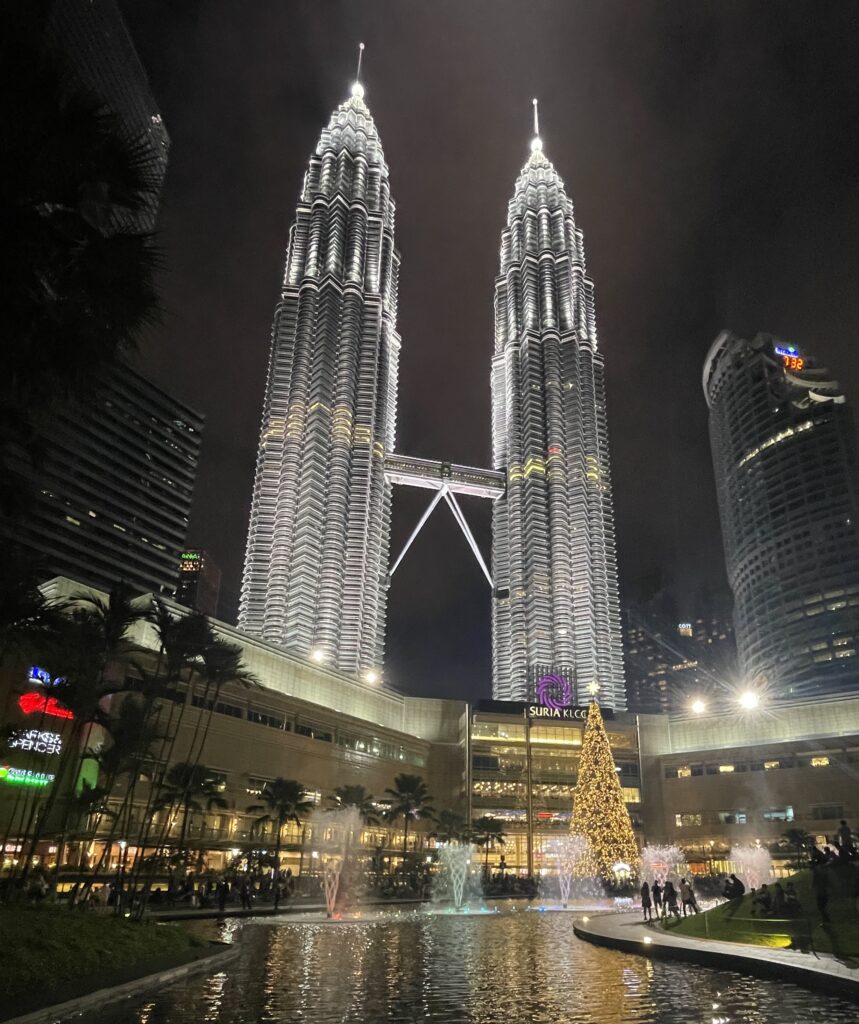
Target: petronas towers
[{"x": 316, "y": 570}]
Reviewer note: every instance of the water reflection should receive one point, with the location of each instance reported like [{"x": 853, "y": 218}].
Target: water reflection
[{"x": 457, "y": 970}]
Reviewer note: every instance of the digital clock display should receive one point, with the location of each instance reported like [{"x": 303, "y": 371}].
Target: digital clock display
[{"x": 793, "y": 362}]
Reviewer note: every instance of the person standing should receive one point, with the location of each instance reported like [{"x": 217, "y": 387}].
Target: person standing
[
  {"x": 687, "y": 897},
  {"x": 669, "y": 900},
  {"x": 656, "y": 894},
  {"x": 820, "y": 884},
  {"x": 646, "y": 902}
]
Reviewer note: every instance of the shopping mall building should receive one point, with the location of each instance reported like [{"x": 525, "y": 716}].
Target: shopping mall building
[{"x": 705, "y": 783}]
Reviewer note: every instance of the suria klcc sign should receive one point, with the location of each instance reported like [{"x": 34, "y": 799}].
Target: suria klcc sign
[{"x": 555, "y": 695}]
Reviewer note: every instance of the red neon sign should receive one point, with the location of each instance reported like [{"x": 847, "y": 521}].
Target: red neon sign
[{"x": 31, "y": 702}]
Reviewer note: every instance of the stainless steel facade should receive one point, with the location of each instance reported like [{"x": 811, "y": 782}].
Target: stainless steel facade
[
  {"x": 784, "y": 452},
  {"x": 555, "y": 607},
  {"x": 315, "y": 576}
]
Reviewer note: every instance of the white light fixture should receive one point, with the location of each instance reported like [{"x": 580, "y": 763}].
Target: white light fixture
[
  {"x": 318, "y": 656},
  {"x": 698, "y": 706},
  {"x": 371, "y": 677},
  {"x": 749, "y": 700}
]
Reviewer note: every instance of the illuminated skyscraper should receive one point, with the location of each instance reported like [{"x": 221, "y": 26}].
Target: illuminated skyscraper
[
  {"x": 555, "y": 607},
  {"x": 315, "y": 575},
  {"x": 787, "y": 474}
]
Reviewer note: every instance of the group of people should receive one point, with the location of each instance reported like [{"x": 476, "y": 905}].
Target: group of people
[{"x": 666, "y": 899}]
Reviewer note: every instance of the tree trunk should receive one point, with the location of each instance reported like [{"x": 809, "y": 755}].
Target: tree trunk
[{"x": 405, "y": 838}]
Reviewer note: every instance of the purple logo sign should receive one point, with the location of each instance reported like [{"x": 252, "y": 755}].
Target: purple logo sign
[{"x": 554, "y": 692}]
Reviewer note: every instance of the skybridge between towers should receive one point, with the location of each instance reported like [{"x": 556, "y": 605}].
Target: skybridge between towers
[{"x": 447, "y": 479}]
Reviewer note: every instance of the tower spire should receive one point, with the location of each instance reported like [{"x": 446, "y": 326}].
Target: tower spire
[
  {"x": 357, "y": 88},
  {"x": 536, "y": 142}
]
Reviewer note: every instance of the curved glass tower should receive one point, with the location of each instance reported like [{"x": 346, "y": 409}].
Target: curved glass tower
[
  {"x": 784, "y": 453},
  {"x": 315, "y": 575},
  {"x": 555, "y": 607}
]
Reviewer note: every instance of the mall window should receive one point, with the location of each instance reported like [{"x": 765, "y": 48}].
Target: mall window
[
  {"x": 631, "y": 795},
  {"x": 725, "y": 769},
  {"x": 218, "y": 779},
  {"x": 778, "y": 814},
  {"x": 255, "y": 785},
  {"x": 316, "y": 732},
  {"x": 683, "y": 772},
  {"x": 732, "y": 817},
  {"x": 828, "y": 812},
  {"x": 484, "y": 763},
  {"x": 687, "y": 820},
  {"x": 697, "y": 770},
  {"x": 769, "y": 765},
  {"x": 268, "y": 718},
  {"x": 819, "y": 762}
]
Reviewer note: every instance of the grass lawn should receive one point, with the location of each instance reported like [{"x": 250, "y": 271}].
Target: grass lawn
[
  {"x": 805, "y": 930},
  {"x": 43, "y": 947}
]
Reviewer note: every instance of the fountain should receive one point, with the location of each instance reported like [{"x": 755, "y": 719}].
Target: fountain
[
  {"x": 752, "y": 865},
  {"x": 334, "y": 836},
  {"x": 658, "y": 863},
  {"x": 571, "y": 853},
  {"x": 454, "y": 861}
]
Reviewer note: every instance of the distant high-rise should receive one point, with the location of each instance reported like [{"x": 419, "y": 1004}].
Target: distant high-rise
[
  {"x": 199, "y": 582},
  {"x": 555, "y": 607},
  {"x": 784, "y": 453},
  {"x": 93, "y": 39},
  {"x": 670, "y": 661},
  {"x": 316, "y": 567},
  {"x": 111, "y": 494}
]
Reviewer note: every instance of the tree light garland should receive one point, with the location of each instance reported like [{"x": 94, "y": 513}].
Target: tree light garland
[{"x": 599, "y": 811}]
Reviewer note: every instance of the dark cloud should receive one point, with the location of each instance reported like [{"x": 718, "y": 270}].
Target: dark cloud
[{"x": 711, "y": 152}]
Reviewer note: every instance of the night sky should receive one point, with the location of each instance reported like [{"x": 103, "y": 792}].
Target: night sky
[{"x": 711, "y": 154}]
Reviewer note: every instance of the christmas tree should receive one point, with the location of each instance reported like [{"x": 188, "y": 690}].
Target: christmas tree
[{"x": 599, "y": 811}]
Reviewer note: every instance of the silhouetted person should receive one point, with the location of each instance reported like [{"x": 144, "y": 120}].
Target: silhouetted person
[
  {"x": 669, "y": 899},
  {"x": 791, "y": 898},
  {"x": 223, "y": 894},
  {"x": 646, "y": 903},
  {"x": 820, "y": 884},
  {"x": 779, "y": 905},
  {"x": 763, "y": 900},
  {"x": 656, "y": 895},
  {"x": 687, "y": 897}
]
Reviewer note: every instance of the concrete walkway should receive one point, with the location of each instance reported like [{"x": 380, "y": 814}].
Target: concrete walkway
[{"x": 627, "y": 932}]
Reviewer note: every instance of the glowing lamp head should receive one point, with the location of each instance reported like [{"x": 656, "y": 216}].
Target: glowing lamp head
[
  {"x": 318, "y": 656},
  {"x": 371, "y": 677},
  {"x": 749, "y": 700},
  {"x": 698, "y": 706}
]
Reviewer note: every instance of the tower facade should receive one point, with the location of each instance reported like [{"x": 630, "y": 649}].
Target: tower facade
[
  {"x": 787, "y": 474},
  {"x": 315, "y": 574},
  {"x": 555, "y": 601}
]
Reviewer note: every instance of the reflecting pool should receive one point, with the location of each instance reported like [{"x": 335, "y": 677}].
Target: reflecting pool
[{"x": 461, "y": 970}]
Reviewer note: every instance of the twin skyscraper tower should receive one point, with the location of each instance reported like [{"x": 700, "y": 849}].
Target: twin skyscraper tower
[{"x": 317, "y": 567}]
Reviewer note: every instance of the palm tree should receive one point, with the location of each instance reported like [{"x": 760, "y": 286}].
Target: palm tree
[
  {"x": 452, "y": 827},
  {"x": 410, "y": 800},
  {"x": 191, "y": 788},
  {"x": 92, "y": 652},
  {"x": 800, "y": 842},
  {"x": 357, "y": 797},
  {"x": 283, "y": 800},
  {"x": 487, "y": 832}
]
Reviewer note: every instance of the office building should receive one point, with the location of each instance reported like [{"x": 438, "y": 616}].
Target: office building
[
  {"x": 671, "y": 662},
  {"x": 783, "y": 439},
  {"x": 199, "y": 582},
  {"x": 316, "y": 564},
  {"x": 111, "y": 493},
  {"x": 555, "y": 609}
]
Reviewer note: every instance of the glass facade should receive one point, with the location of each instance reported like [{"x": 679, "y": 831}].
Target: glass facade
[{"x": 784, "y": 451}]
